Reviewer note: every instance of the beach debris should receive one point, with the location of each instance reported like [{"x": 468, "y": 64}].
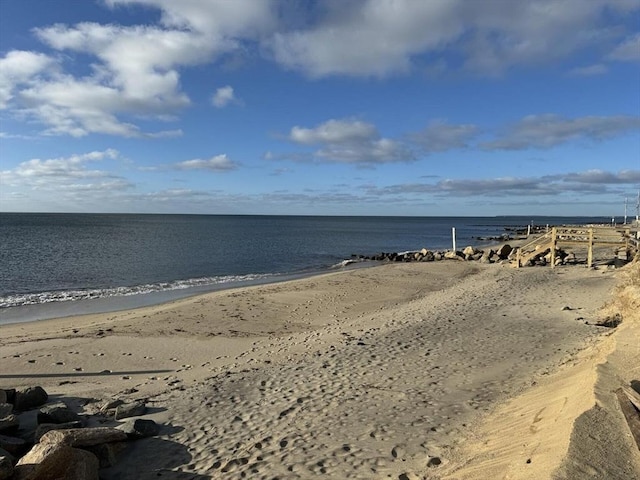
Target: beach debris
[
  {"x": 109, "y": 407},
  {"x": 610, "y": 321},
  {"x": 628, "y": 400},
  {"x": 30, "y": 398},
  {"x": 56, "y": 460}
]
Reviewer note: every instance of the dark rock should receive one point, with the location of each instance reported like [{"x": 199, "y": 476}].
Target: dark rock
[
  {"x": 504, "y": 251},
  {"x": 84, "y": 437},
  {"x": 6, "y": 409},
  {"x": 13, "y": 445},
  {"x": 57, "y": 413},
  {"x": 10, "y": 394},
  {"x": 49, "y": 461},
  {"x": 139, "y": 428},
  {"x": 6, "y": 466},
  {"x": 47, "y": 427},
  {"x": 127, "y": 410},
  {"x": 9, "y": 423},
  {"x": 3, "y": 396},
  {"x": 29, "y": 398},
  {"x": 107, "y": 453}
]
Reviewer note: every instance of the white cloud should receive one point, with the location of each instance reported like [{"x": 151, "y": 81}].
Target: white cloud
[
  {"x": 57, "y": 173},
  {"x": 589, "y": 71},
  {"x": 347, "y": 141},
  {"x": 596, "y": 182},
  {"x": 19, "y": 67},
  {"x": 220, "y": 18},
  {"x": 440, "y": 136},
  {"x": 223, "y": 96},
  {"x": 334, "y": 131},
  {"x": 550, "y": 130},
  {"x": 628, "y": 50},
  {"x": 219, "y": 163},
  {"x": 136, "y": 76},
  {"x": 597, "y": 176},
  {"x": 381, "y": 37}
]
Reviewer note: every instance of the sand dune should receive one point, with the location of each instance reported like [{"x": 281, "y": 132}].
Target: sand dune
[{"x": 385, "y": 372}]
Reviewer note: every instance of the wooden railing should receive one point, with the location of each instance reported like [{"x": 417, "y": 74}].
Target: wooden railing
[{"x": 622, "y": 238}]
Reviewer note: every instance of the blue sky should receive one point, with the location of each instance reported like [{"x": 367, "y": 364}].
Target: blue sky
[{"x": 362, "y": 107}]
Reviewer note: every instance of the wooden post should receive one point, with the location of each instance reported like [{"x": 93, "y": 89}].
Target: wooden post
[
  {"x": 518, "y": 257},
  {"x": 554, "y": 239},
  {"x": 590, "y": 254}
]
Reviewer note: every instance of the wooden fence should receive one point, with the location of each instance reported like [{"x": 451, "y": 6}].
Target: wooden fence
[{"x": 620, "y": 238}]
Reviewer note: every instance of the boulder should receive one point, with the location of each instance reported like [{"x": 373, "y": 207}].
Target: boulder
[
  {"x": 133, "y": 409},
  {"x": 13, "y": 445},
  {"x": 3, "y": 396},
  {"x": 139, "y": 428},
  {"x": 47, "y": 427},
  {"x": 107, "y": 453},
  {"x": 469, "y": 251},
  {"x": 9, "y": 423},
  {"x": 6, "y": 467},
  {"x": 453, "y": 255},
  {"x": 6, "y": 409},
  {"x": 84, "y": 437},
  {"x": 29, "y": 398},
  {"x": 504, "y": 251},
  {"x": 6, "y": 464},
  {"x": 10, "y": 393},
  {"x": 49, "y": 461},
  {"x": 57, "y": 412}
]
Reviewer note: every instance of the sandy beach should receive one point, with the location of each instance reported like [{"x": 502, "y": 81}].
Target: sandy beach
[{"x": 448, "y": 369}]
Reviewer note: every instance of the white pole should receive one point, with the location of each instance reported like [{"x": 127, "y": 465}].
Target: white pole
[
  {"x": 453, "y": 235},
  {"x": 528, "y": 230},
  {"x": 625, "y": 209}
]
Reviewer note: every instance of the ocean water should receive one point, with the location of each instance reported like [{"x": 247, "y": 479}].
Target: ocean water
[{"x": 48, "y": 259}]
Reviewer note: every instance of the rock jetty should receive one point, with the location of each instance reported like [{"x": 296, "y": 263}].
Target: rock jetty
[{"x": 503, "y": 254}]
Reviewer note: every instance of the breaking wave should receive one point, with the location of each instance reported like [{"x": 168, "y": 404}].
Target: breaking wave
[{"x": 17, "y": 300}]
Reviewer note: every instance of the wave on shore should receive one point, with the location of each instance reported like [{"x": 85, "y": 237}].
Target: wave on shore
[{"x": 38, "y": 298}]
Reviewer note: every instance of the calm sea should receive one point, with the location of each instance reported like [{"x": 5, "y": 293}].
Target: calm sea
[{"x": 48, "y": 259}]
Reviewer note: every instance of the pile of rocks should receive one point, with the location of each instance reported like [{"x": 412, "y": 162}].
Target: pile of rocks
[
  {"x": 469, "y": 253},
  {"x": 503, "y": 254},
  {"x": 49, "y": 440}
]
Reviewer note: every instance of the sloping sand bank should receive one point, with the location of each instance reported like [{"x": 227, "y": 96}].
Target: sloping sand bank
[{"x": 373, "y": 373}]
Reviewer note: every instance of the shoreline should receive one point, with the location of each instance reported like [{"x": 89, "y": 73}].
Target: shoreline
[
  {"x": 381, "y": 371},
  {"x": 120, "y": 302}
]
